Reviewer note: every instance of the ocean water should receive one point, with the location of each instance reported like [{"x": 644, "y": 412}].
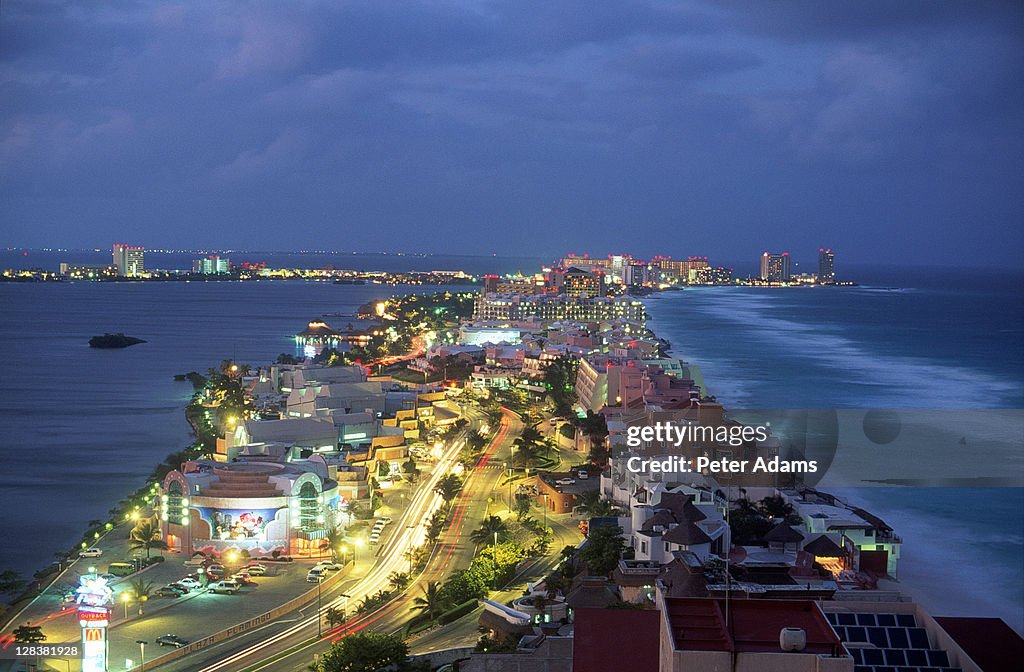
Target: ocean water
[
  {"x": 921, "y": 340},
  {"x": 81, "y": 428}
]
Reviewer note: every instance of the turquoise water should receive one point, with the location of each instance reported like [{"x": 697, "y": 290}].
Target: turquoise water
[{"x": 930, "y": 341}]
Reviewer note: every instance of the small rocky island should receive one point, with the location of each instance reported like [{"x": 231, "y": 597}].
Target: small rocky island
[{"x": 113, "y": 341}]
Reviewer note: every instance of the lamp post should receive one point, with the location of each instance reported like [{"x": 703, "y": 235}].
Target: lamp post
[
  {"x": 319, "y": 613},
  {"x": 126, "y": 598},
  {"x": 545, "y": 512},
  {"x": 142, "y": 652}
]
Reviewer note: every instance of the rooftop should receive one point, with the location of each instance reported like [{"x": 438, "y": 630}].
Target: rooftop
[{"x": 699, "y": 624}]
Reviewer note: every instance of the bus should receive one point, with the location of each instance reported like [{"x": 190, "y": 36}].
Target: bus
[{"x": 121, "y": 568}]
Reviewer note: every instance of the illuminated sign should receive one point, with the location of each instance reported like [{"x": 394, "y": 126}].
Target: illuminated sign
[
  {"x": 94, "y": 650},
  {"x": 237, "y": 523},
  {"x": 94, "y": 592},
  {"x": 93, "y": 617}
]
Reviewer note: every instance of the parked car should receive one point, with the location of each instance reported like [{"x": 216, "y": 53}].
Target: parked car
[
  {"x": 90, "y": 553},
  {"x": 171, "y": 640},
  {"x": 566, "y": 481},
  {"x": 215, "y": 568},
  {"x": 386, "y": 520},
  {"x": 327, "y": 565},
  {"x": 168, "y": 591},
  {"x": 315, "y": 576},
  {"x": 582, "y": 475},
  {"x": 109, "y": 578},
  {"x": 197, "y": 561},
  {"x": 179, "y": 590},
  {"x": 242, "y": 578},
  {"x": 375, "y": 538},
  {"x": 256, "y": 570},
  {"x": 227, "y": 586},
  {"x": 190, "y": 582}
]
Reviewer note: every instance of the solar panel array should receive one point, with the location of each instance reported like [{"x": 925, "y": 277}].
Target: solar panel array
[{"x": 888, "y": 643}]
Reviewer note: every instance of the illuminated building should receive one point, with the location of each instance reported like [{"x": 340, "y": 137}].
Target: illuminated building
[
  {"x": 775, "y": 267},
  {"x": 129, "y": 260},
  {"x": 211, "y": 265},
  {"x": 317, "y": 335},
  {"x": 826, "y": 266},
  {"x": 514, "y": 307},
  {"x": 579, "y": 282},
  {"x": 87, "y": 271},
  {"x": 682, "y": 269},
  {"x": 258, "y": 506},
  {"x": 710, "y": 276}
]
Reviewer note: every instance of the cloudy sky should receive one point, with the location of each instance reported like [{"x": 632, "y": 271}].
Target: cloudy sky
[{"x": 884, "y": 130}]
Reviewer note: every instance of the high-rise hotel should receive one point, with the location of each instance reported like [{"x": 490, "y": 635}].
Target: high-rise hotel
[
  {"x": 826, "y": 266},
  {"x": 775, "y": 267},
  {"x": 129, "y": 260}
]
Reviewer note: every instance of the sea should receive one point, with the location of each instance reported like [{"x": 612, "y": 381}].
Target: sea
[{"x": 82, "y": 428}]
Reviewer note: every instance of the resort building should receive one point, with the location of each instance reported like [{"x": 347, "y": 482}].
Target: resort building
[
  {"x": 255, "y": 506},
  {"x": 129, "y": 260}
]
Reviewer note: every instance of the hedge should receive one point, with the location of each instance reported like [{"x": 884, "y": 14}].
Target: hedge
[{"x": 458, "y": 612}]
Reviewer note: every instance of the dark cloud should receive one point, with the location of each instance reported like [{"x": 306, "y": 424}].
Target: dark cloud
[{"x": 695, "y": 127}]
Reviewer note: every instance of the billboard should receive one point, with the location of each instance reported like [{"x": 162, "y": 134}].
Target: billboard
[{"x": 238, "y": 523}]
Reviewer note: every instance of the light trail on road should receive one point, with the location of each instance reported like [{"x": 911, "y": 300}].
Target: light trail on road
[{"x": 392, "y": 557}]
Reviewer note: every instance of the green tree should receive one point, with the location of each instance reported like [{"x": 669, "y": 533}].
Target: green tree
[
  {"x": 521, "y": 506},
  {"x": 432, "y": 602},
  {"x": 335, "y": 616},
  {"x": 436, "y": 525},
  {"x": 141, "y": 590},
  {"x": 448, "y": 487},
  {"x": 398, "y": 580},
  {"x": 146, "y": 535},
  {"x": 10, "y": 582},
  {"x": 28, "y": 634},
  {"x": 364, "y": 652},
  {"x": 489, "y": 527},
  {"x": 603, "y": 550}
]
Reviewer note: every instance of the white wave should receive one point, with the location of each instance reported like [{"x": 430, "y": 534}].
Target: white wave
[{"x": 895, "y": 380}]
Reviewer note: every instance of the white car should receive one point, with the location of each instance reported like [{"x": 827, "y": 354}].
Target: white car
[
  {"x": 566, "y": 481},
  {"x": 582, "y": 475},
  {"x": 91, "y": 553},
  {"x": 315, "y": 576},
  {"x": 327, "y": 565},
  {"x": 386, "y": 520},
  {"x": 256, "y": 570},
  {"x": 190, "y": 583},
  {"x": 229, "y": 587}
]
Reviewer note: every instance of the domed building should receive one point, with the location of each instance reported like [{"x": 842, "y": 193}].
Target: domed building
[{"x": 256, "y": 506}]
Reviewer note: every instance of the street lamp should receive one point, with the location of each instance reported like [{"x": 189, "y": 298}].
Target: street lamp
[
  {"x": 126, "y": 598},
  {"x": 142, "y": 651},
  {"x": 545, "y": 513}
]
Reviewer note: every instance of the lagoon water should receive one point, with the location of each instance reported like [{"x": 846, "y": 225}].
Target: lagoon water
[{"x": 81, "y": 428}]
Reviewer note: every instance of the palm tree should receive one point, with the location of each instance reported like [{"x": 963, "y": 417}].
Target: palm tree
[
  {"x": 448, "y": 487},
  {"x": 146, "y": 535},
  {"x": 432, "y": 601},
  {"x": 398, "y": 580},
  {"x": 142, "y": 590},
  {"x": 335, "y": 616},
  {"x": 489, "y": 527}
]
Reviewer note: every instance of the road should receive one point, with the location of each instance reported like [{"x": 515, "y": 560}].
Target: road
[
  {"x": 454, "y": 551},
  {"x": 301, "y": 627}
]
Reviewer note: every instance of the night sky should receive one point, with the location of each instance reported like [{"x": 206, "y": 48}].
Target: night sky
[{"x": 891, "y": 132}]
